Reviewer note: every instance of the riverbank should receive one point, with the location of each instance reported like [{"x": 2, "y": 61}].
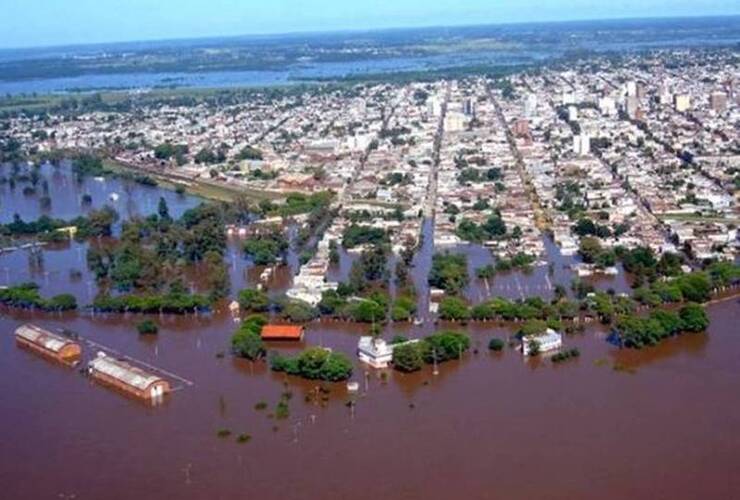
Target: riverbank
[{"x": 205, "y": 188}]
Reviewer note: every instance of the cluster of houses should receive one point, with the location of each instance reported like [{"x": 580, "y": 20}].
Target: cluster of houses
[{"x": 649, "y": 149}]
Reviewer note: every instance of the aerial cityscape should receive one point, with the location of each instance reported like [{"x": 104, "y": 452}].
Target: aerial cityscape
[{"x": 485, "y": 261}]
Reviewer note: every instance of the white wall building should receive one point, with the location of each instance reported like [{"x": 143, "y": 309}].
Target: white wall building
[
  {"x": 377, "y": 352},
  {"x": 682, "y": 102},
  {"x": 549, "y": 341}
]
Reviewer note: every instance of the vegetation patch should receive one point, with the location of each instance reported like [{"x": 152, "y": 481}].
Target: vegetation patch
[{"x": 315, "y": 363}]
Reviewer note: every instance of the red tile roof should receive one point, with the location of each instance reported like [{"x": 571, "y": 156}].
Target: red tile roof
[{"x": 282, "y": 332}]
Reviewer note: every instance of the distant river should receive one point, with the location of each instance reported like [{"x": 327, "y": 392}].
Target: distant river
[
  {"x": 293, "y": 74},
  {"x": 525, "y": 44}
]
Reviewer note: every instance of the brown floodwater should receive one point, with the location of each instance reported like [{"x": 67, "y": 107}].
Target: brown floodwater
[
  {"x": 66, "y": 191},
  {"x": 488, "y": 426},
  {"x": 655, "y": 423}
]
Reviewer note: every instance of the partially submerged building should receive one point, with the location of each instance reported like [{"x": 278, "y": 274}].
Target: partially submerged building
[
  {"x": 377, "y": 352},
  {"x": 48, "y": 344},
  {"x": 548, "y": 341},
  {"x": 127, "y": 378},
  {"x": 282, "y": 332}
]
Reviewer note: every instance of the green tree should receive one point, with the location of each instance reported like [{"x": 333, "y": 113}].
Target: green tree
[
  {"x": 533, "y": 327},
  {"x": 496, "y": 344},
  {"x": 246, "y": 341},
  {"x": 695, "y": 287},
  {"x": 298, "y": 311},
  {"x": 693, "y": 318},
  {"x": 444, "y": 346},
  {"x": 453, "y": 308},
  {"x": 253, "y": 300},
  {"x": 449, "y": 272},
  {"x": 162, "y": 209},
  {"x": 408, "y": 357},
  {"x": 147, "y": 327},
  {"x": 589, "y": 249}
]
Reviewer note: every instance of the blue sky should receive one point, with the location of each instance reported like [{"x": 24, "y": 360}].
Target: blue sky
[{"x": 56, "y": 22}]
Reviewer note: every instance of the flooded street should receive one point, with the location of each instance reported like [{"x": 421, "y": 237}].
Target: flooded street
[{"x": 655, "y": 423}]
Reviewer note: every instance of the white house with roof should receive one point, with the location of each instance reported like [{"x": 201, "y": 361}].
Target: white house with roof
[
  {"x": 377, "y": 352},
  {"x": 548, "y": 341}
]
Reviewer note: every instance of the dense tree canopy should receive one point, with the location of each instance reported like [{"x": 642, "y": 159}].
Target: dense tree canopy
[
  {"x": 315, "y": 363},
  {"x": 247, "y": 341},
  {"x": 449, "y": 272}
]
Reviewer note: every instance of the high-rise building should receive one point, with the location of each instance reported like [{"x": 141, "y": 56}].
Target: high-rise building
[
  {"x": 607, "y": 106},
  {"x": 454, "y": 122},
  {"x": 718, "y": 102},
  {"x": 641, "y": 90},
  {"x": 468, "y": 107},
  {"x": 630, "y": 88},
  {"x": 530, "y": 105},
  {"x": 664, "y": 95},
  {"x": 582, "y": 144},
  {"x": 521, "y": 128},
  {"x": 434, "y": 106},
  {"x": 631, "y": 106},
  {"x": 572, "y": 114},
  {"x": 682, "y": 102}
]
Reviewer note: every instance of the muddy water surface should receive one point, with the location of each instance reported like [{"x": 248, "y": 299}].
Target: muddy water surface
[{"x": 656, "y": 423}]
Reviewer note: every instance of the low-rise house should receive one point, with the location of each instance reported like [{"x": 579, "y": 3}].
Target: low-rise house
[
  {"x": 377, "y": 352},
  {"x": 282, "y": 332},
  {"x": 548, "y": 341}
]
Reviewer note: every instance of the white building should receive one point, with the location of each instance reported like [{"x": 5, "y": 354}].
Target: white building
[
  {"x": 631, "y": 88},
  {"x": 530, "y": 105},
  {"x": 582, "y": 144},
  {"x": 377, "y": 352},
  {"x": 607, "y": 106},
  {"x": 682, "y": 102},
  {"x": 434, "y": 106},
  {"x": 548, "y": 341},
  {"x": 572, "y": 114},
  {"x": 454, "y": 122}
]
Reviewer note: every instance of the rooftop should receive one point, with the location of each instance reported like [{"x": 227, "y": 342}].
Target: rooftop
[{"x": 282, "y": 332}]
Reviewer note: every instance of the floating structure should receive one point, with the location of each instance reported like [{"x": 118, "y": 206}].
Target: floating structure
[
  {"x": 127, "y": 378},
  {"x": 48, "y": 344},
  {"x": 377, "y": 352},
  {"x": 548, "y": 341},
  {"x": 282, "y": 332}
]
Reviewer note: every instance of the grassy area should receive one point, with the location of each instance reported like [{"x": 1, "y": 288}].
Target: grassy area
[
  {"x": 221, "y": 192},
  {"x": 376, "y": 203},
  {"x": 205, "y": 188},
  {"x": 699, "y": 218}
]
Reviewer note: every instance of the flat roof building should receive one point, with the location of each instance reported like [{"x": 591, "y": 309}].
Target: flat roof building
[
  {"x": 48, "y": 344},
  {"x": 127, "y": 378}
]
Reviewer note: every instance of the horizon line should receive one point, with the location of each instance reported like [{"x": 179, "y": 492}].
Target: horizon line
[{"x": 285, "y": 34}]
